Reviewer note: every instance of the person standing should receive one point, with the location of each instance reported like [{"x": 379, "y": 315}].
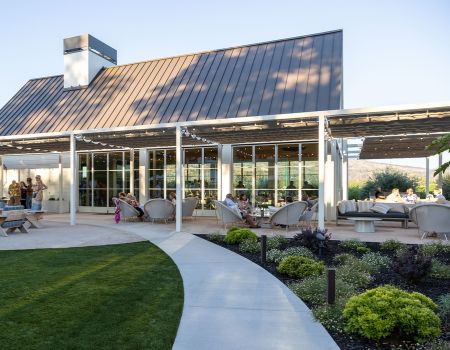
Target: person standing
[
  {"x": 14, "y": 193},
  {"x": 38, "y": 193},
  {"x": 29, "y": 197},
  {"x": 23, "y": 194}
]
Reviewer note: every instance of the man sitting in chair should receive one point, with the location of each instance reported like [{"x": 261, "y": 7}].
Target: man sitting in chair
[{"x": 245, "y": 214}]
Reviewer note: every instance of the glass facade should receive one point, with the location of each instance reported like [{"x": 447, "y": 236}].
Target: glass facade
[
  {"x": 268, "y": 174},
  {"x": 199, "y": 173},
  {"x": 102, "y": 175}
]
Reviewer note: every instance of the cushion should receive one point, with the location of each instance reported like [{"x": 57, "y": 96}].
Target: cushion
[
  {"x": 13, "y": 207},
  {"x": 342, "y": 207},
  {"x": 396, "y": 207},
  {"x": 365, "y": 206},
  {"x": 380, "y": 208},
  {"x": 14, "y": 223},
  {"x": 388, "y": 215},
  {"x": 350, "y": 205}
]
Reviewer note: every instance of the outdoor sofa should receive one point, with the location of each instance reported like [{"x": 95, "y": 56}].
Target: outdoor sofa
[{"x": 348, "y": 209}]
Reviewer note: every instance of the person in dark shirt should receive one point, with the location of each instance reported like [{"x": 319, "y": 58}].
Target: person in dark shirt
[{"x": 379, "y": 194}]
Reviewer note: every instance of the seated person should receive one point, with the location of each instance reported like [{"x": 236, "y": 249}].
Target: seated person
[
  {"x": 172, "y": 197},
  {"x": 130, "y": 199},
  {"x": 245, "y": 213},
  {"x": 440, "y": 199},
  {"x": 394, "y": 197},
  {"x": 307, "y": 199},
  {"x": 379, "y": 194},
  {"x": 410, "y": 196}
]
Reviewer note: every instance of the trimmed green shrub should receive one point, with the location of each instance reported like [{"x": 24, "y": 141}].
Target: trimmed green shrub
[
  {"x": 236, "y": 236},
  {"x": 250, "y": 246},
  {"x": 276, "y": 242},
  {"x": 391, "y": 245},
  {"x": 412, "y": 265},
  {"x": 313, "y": 290},
  {"x": 352, "y": 244},
  {"x": 444, "y": 308},
  {"x": 276, "y": 255},
  {"x": 435, "y": 248},
  {"x": 379, "y": 312},
  {"x": 215, "y": 237},
  {"x": 300, "y": 266},
  {"x": 362, "y": 250},
  {"x": 440, "y": 270}
]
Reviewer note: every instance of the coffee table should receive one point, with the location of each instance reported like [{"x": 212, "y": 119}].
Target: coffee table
[{"x": 364, "y": 225}]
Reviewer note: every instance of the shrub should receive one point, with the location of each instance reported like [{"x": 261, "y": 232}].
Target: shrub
[
  {"x": 391, "y": 245},
  {"x": 374, "y": 262},
  {"x": 412, "y": 265},
  {"x": 436, "y": 248},
  {"x": 300, "y": 266},
  {"x": 276, "y": 242},
  {"x": 313, "y": 239},
  {"x": 362, "y": 250},
  {"x": 352, "y": 244},
  {"x": 344, "y": 258},
  {"x": 331, "y": 315},
  {"x": 354, "y": 192},
  {"x": 215, "y": 237},
  {"x": 276, "y": 255},
  {"x": 249, "y": 246},
  {"x": 313, "y": 290},
  {"x": 354, "y": 275},
  {"x": 236, "y": 236},
  {"x": 440, "y": 270},
  {"x": 379, "y": 312},
  {"x": 386, "y": 179},
  {"x": 444, "y": 308}
]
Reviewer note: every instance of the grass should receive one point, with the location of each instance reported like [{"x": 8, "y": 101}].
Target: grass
[{"x": 127, "y": 296}]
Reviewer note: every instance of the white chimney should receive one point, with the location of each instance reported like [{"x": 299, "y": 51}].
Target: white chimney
[{"x": 84, "y": 57}]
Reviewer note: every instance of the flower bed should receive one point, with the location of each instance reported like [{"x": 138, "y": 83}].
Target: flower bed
[{"x": 360, "y": 269}]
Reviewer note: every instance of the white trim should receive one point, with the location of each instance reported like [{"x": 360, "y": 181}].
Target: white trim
[
  {"x": 321, "y": 160},
  {"x": 179, "y": 179},
  {"x": 73, "y": 178}
]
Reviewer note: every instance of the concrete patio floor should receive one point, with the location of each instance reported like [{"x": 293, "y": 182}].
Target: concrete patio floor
[{"x": 229, "y": 302}]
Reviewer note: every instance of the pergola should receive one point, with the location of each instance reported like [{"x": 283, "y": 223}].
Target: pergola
[{"x": 387, "y": 132}]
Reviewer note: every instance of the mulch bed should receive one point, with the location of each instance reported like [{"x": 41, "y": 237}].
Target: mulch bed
[{"x": 431, "y": 287}]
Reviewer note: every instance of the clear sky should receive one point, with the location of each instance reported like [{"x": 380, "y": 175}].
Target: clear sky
[{"x": 395, "y": 52}]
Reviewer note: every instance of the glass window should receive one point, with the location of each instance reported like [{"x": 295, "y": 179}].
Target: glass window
[
  {"x": 265, "y": 175},
  {"x": 116, "y": 161},
  {"x": 243, "y": 171}
]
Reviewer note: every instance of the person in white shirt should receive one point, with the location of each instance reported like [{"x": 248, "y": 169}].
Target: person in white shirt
[
  {"x": 394, "y": 197},
  {"x": 410, "y": 196},
  {"x": 230, "y": 203},
  {"x": 440, "y": 199}
]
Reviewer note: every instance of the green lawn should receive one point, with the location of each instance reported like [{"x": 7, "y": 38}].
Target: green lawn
[{"x": 127, "y": 296}]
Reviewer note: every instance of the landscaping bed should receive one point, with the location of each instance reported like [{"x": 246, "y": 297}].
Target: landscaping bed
[{"x": 362, "y": 267}]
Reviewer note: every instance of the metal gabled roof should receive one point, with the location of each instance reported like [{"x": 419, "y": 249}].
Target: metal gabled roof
[{"x": 286, "y": 76}]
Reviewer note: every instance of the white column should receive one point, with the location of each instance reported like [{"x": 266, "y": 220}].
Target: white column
[
  {"x": 73, "y": 178},
  {"x": 439, "y": 181},
  {"x": 60, "y": 184},
  {"x": 132, "y": 171},
  {"x": 427, "y": 175},
  {"x": 226, "y": 161},
  {"x": 329, "y": 185},
  {"x": 179, "y": 169},
  {"x": 143, "y": 175},
  {"x": 321, "y": 205},
  {"x": 219, "y": 172},
  {"x": 345, "y": 171},
  {"x": 1, "y": 176}
]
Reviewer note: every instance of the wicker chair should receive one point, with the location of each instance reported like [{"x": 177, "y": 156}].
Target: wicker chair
[
  {"x": 289, "y": 214},
  {"x": 431, "y": 218},
  {"x": 227, "y": 215},
  {"x": 127, "y": 211},
  {"x": 159, "y": 209},
  {"x": 188, "y": 207}
]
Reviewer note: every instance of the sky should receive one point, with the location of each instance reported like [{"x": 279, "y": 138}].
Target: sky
[{"x": 395, "y": 52}]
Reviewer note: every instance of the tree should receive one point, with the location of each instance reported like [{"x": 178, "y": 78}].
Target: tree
[
  {"x": 440, "y": 145},
  {"x": 388, "y": 179}
]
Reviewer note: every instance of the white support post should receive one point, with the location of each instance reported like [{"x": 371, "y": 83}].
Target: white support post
[
  {"x": 2, "y": 168},
  {"x": 132, "y": 171},
  {"x": 60, "y": 184},
  {"x": 427, "y": 175},
  {"x": 219, "y": 172},
  {"x": 321, "y": 206},
  {"x": 179, "y": 169},
  {"x": 345, "y": 171},
  {"x": 143, "y": 175},
  {"x": 439, "y": 181},
  {"x": 73, "y": 178}
]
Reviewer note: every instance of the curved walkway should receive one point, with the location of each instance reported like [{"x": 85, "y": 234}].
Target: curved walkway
[{"x": 229, "y": 302}]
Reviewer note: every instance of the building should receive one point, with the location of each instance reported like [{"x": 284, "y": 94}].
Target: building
[{"x": 264, "y": 119}]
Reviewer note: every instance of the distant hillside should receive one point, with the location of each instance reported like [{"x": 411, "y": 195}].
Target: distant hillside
[{"x": 361, "y": 170}]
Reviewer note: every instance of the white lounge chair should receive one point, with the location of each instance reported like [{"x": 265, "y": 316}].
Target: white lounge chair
[
  {"x": 127, "y": 211},
  {"x": 227, "y": 215},
  {"x": 159, "y": 209},
  {"x": 289, "y": 214},
  {"x": 189, "y": 205},
  {"x": 431, "y": 218}
]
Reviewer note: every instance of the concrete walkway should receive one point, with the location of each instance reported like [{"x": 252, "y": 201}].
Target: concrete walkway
[{"x": 229, "y": 302}]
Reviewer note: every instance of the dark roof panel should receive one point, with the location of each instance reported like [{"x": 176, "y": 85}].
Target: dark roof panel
[{"x": 285, "y": 76}]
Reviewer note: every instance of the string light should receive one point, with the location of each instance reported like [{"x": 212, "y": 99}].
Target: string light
[
  {"x": 25, "y": 148},
  {"x": 187, "y": 133},
  {"x": 82, "y": 138}
]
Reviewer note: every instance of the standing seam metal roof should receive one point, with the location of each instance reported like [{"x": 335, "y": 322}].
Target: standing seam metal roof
[{"x": 285, "y": 76}]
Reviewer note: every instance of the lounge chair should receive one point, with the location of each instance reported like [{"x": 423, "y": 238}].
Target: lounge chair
[
  {"x": 227, "y": 215},
  {"x": 431, "y": 218},
  {"x": 127, "y": 211},
  {"x": 159, "y": 209},
  {"x": 289, "y": 214},
  {"x": 189, "y": 205}
]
